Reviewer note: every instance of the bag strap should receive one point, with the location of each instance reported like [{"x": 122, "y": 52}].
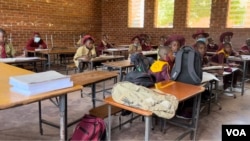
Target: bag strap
[
  {"x": 191, "y": 71},
  {"x": 178, "y": 63}
]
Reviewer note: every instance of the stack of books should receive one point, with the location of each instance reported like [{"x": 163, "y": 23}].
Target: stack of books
[{"x": 37, "y": 83}]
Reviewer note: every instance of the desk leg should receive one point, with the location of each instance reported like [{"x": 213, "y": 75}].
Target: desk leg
[
  {"x": 63, "y": 117},
  {"x": 243, "y": 77},
  {"x": 147, "y": 127},
  {"x": 109, "y": 122},
  {"x": 49, "y": 61},
  {"x": 195, "y": 118},
  {"x": 93, "y": 94},
  {"x": 40, "y": 117},
  {"x": 121, "y": 75}
]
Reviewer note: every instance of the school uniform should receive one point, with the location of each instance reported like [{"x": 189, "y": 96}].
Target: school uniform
[
  {"x": 160, "y": 70},
  {"x": 221, "y": 58},
  {"x": 102, "y": 46},
  {"x": 132, "y": 49},
  {"x": 83, "y": 51},
  {"x": 212, "y": 48},
  {"x": 245, "y": 49},
  {"x": 146, "y": 47},
  {"x": 7, "y": 51}
]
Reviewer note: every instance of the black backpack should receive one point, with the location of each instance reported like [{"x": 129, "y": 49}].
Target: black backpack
[
  {"x": 188, "y": 66},
  {"x": 140, "y": 78},
  {"x": 141, "y": 62}
]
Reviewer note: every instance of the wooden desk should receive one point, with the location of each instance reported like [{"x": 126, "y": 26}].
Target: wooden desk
[
  {"x": 98, "y": 59},
  {"x": 22, "y": 60},
  {"x": 152, "y": 54},
  {"x": 51, "y": 52},
  {"x": 245, "y": 64},
  {"x": 181, "y": 90},
  {"x": 91, "y": 78},
  {"x": 210, "y": 53},
  {"x": 9, "y": 99},
  {"x": 114, "y": 50},
  {"x": 119, "y": 65}
]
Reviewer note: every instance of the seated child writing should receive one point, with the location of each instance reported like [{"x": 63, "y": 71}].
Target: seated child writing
[
  {"x": 220, "y": 58},
  {"x": 87, "y": 51},
  {"x": 161, "y": 68}
]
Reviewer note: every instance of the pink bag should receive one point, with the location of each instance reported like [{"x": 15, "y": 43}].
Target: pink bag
[{"x": 90, "y": 128}]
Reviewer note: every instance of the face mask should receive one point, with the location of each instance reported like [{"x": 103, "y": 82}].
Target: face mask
[
  {"x": 202, "y": 39},
  {"x": 37, "y": 39},
  {"x": 135, "y": 44}
]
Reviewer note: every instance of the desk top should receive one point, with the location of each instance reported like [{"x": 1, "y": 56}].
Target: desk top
[
  {"x": 153, "y": 52},
  {"x": 54, "y": 51},
  {"x": 87, "y": 78},
  {"x": 102, "y": 58},
  {"x": 182, "y": 91},
  {"x": 22, "y": 60},
  {"x": 9, "y": 99},
  {"x": 119, "y": 64},
  {"x": 115, "y": 49},
  {"x": 110, "y": 101}
]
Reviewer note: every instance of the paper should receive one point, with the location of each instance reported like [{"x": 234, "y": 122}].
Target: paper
[
  {"x": 7, "y": 60},
  {"x": 13, "y": 60},
  {"x": 227, "y": 73},
  {"x": 245, "y": 57},
  {"x": 213, "y": 67},
  {"x": 36, "y": 78},
  {"x": 206, "y": 77}
]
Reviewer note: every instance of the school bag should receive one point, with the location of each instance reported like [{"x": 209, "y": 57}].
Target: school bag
[
  {"x": 90, "y": 128},
  {"x": 141, "y": 62},
  {"x": 140, "y": 78},
  {"x": 188, "y": 66}
]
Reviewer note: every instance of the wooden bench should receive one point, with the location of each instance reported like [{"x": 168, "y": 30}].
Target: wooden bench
[
  {"x": 102, "y": 112},
  {"x": 71, "y": 66}
]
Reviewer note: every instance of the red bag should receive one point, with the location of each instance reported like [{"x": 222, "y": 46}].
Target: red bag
[{"x": 90, "y": 128}]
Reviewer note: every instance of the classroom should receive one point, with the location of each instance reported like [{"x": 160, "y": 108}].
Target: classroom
[{"x": 124, "y": 70}]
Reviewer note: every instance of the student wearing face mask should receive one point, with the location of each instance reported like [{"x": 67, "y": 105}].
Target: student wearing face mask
[
  {"x": 6, "y": 49},
  {"x": 35, "y": 42},
  {"x": 211, "y": 46},
  {"x": 135, "y": 47},
  {"x": 200, "y": 35}
]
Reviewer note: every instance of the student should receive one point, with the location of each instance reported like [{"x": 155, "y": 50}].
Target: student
[
  {"x": 145, "y": 44},
  {"x": 87, "y": 51},
  {"x": 225, "y": 37},
  {"x": 200, "y": 35},
  {"x": 161, "y": 68},
  {"x": 175, "y": 42},
  {"x": 103, "y": 45},
  {"x": 79, "y": 42},
  {"x": 211, "y": 46},
  {"x": 34, "y": 43},
  {"x": 220, "y": 58},
  {"x": 135, "y": 47},
  {"x": 162, "y": 41},
  {"x": 6, "y": 49},
  {"x": 245, "y": 49},
  {"x": 200, "y": 46}
]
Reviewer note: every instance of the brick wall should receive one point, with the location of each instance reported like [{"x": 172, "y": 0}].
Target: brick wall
[
  {"x": 114, "y": 22},
  {"x": 63, "y": 19}
]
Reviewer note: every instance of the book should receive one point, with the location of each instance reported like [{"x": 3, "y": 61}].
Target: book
[
  {"x": 39, "y": 82},
  {"x": 206, "y": 77}
]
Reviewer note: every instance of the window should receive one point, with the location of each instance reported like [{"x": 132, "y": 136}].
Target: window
[
  {"x": 136, "y": 13},
  {"x": 199, "y": 12},
  {"x": 164, "y": 13},
  {"x": 238, "y": 14}
]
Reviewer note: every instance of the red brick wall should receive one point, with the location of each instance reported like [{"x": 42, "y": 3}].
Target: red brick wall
[
  {"x": 115, "y": 15},
  {"x": 63, "y": 19}
]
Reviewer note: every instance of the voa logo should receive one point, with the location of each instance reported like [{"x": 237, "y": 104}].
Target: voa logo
[{"x": 236, "y": 132}]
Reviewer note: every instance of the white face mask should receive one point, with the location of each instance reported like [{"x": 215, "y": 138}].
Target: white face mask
[
  {"x": 202, "y": 39},
  {"x": 37, "y": 39}
]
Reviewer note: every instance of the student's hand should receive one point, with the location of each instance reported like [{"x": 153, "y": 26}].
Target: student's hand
[{"x": 40, "y": 47}]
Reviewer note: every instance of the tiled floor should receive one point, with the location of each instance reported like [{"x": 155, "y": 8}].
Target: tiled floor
[{"x": 21, "y": 123}]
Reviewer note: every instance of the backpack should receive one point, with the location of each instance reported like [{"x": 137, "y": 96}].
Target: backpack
[
  {"x": 140, "y": 78},
  {"x": 141, "y": 62},
  {"x": 89, "y": 128},
  {"x": 188, "y": 66}
]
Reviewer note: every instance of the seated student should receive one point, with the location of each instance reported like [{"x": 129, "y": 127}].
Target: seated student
[
  {"x": 145, "y": 45},
  {"x": 200, "y": 35},
  {"x": 79, "y": 42},
  {"x": 162, "y": 41},
  {"x": 87, "y": 51},
  {"x": 175, "y": 42},
  {"x": 245, "y": 49},
  {"x": 6, "y": 49},
  {"x": 135, "y": 47},
  {"x": 34, "y": 43},
  {"x": 103, "y": 45},
  {"x": 211, "y": 46},
  {"x": 161, "y": 68},
  {"x": 220, "y": 58},
  {"x": 200, "y": 46},
  {"x": 225, "y": 37}
]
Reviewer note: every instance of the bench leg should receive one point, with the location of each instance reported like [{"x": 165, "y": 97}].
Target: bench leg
[{"x": 40, "y": 117}]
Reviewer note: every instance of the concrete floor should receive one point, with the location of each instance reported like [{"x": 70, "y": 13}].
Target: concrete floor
[{"x": 21, "y": 123}]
